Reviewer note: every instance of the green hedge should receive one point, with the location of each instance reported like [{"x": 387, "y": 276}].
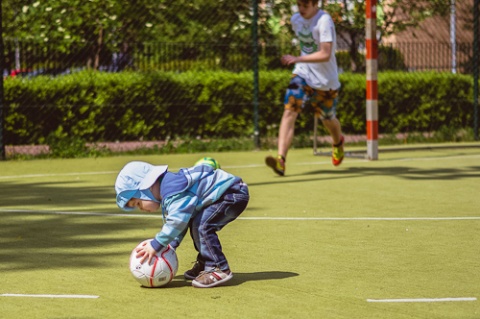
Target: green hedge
[{"x": 98, "y": 106}]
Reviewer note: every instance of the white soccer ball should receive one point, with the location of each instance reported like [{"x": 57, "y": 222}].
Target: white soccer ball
[{"x": 159, "y": 272}]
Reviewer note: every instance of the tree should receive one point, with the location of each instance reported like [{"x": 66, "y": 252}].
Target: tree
[
  {"x": 89, "y": 32},
  {"x": 81, "y": 29}
]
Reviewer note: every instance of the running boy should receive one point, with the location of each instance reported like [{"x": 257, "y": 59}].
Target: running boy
[
  {"x": 199, "y": 197},
  {"x": 314, "y": 79}
]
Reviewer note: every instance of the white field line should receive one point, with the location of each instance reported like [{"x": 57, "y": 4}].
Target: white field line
[
  {"x": 50, "y": 296},
  {"x": 99, "y": 173},
  {"x": 403, "y": 159},
  {"x": 424, "y": 299},
  {"x": 54, "y": 175},
  {"x": 235, "y": 166},
  {"x": 433, "y": 158},
  {"x": 47, "y": 212},
  {"x": 362, "y": 218}
]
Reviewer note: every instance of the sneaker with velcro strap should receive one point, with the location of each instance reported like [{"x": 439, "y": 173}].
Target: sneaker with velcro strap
[{"x": 212, "y": 277}]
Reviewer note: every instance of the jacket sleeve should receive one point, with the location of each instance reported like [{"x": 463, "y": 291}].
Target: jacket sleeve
[{"x": 179, "y": 210}]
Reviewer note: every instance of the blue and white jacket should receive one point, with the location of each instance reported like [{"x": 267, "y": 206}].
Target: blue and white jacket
[{"x": 184, "y": 194}]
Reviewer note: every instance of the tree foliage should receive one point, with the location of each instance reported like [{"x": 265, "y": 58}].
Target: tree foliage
[
  {"x": 393, "y": 16},
  {"x": 97, "y": 27}
]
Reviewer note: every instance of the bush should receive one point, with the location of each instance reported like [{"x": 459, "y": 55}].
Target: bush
[{"x": 95, "y": 106}]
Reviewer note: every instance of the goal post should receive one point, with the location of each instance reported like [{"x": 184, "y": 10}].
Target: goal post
[{"x": 371, "y": 45}]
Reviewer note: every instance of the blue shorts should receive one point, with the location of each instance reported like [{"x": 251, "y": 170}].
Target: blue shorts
[{"x": 324, "y": 103}]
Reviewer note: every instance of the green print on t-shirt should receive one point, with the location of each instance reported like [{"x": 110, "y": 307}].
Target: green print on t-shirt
[{"x": 307, "y": 43}]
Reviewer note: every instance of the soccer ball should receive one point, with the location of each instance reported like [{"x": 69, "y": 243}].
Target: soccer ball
[
  {"x": 159, "y": 272},
  {"x": 210, "y": 161}
]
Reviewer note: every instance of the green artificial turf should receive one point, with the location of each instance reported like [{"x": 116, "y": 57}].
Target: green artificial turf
[{"x": 321, "y": 242}]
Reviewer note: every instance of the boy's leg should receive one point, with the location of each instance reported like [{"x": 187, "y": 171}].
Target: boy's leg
[
  {"x": 335, "y": 129},
  {"x": 285, "y": 138},
  {"x": 199, "y": 264},
  {"x": 325, "y": 105},
  {"x": 294, "y": 103},
  {"x": 212, "y": 219},
  {"x": 205, "y": 226},
  {"x": 286, "y": 132}
]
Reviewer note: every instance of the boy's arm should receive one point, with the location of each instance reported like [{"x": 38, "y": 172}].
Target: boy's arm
[
  {"x": 180, "y": 209},
  {"x": 178, "y": 240},
  {"x": 322, "y": 55}
]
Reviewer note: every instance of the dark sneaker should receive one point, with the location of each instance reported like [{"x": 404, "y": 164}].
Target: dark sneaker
[
  {"x": 277, "y": 164},
  {"x": 197, "y": 268},
  {"x": 211, "y": 278},
  {"x": 337, "y": 153}
]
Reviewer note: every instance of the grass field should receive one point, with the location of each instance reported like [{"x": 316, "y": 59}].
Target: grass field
[{"x": 393, "y": 238}]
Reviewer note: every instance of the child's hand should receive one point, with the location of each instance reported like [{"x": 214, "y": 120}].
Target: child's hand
[
  {"x": 146, "y": 251},
  {"x": 288, "y": 59}
]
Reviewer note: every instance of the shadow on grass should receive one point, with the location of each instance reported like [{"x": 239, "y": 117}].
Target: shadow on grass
[
  {"x": 238, "y": 278},
  {"x": 37, "y": 241},
  {"x": 54, "y": 193},
  {"x": 241, "y": 277},
  {"x": 407, "y": 173}
]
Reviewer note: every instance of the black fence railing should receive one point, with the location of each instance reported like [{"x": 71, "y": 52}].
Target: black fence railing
[
  {"x": 433, "y": 56},
  {"x": 32, "y": 59}
]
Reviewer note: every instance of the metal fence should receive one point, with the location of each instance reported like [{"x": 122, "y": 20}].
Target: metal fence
[{"x": 29, "y": 59}]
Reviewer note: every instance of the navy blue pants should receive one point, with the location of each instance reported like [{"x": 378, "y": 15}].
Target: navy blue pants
[{"x": 213, "y": 218}]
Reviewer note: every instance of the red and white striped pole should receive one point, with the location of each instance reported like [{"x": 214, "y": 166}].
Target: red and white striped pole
[{"x": 372, "y": 85}]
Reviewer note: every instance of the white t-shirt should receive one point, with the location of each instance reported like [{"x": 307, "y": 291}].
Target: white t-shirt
[{"x": 311, "y": 33}]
